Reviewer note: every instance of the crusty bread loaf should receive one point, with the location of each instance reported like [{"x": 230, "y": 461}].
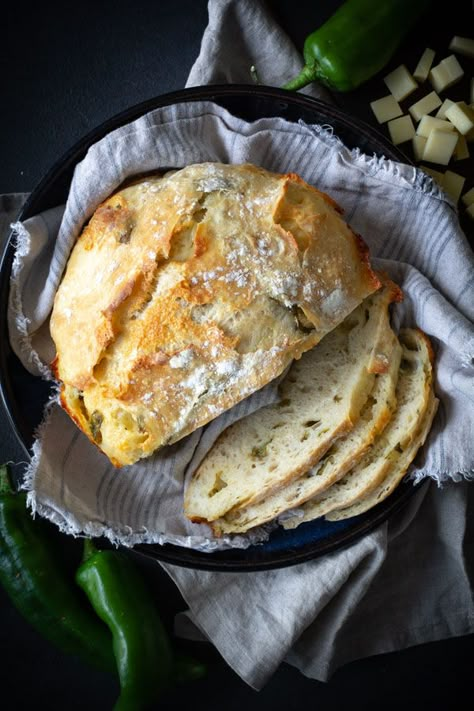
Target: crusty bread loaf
[
  {"x": 339, "y": 459},
  {"x": 186, "y": 293},
  {"x": 321, "y": 399},
  {"x": 414, "y": 399}
]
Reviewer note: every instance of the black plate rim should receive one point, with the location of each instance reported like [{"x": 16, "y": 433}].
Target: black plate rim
[{"x": 233, "y": 560}]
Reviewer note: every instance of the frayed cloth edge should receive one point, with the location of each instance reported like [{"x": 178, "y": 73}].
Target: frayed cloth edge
[
  {"x": 378, "y": 165},
  {"x": 126, "y": 537},
  {"x": 123, "y": 536},
  {"x": 441, "y": 478},
  {"x": 22, "y": 244}
]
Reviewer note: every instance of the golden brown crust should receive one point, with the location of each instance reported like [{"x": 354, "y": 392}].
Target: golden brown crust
[{"x": 186, "y": 293}]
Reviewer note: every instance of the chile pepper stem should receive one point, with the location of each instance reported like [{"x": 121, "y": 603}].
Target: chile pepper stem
[
  {"x": 89, "y": 549},
  {"x": 306, "y": 76}
]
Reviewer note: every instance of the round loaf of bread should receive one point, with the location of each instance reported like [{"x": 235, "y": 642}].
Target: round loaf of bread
[{"x": 187, "y": 292}]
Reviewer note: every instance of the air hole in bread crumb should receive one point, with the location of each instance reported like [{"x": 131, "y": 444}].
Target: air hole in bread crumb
[
  {"x": 407, "y": 366},
  {"x": 409, "y": 342},
  {"x": 311, "y": 423}
]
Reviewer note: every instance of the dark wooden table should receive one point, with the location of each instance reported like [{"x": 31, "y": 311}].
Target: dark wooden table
[{"x": 67, "y": 68}]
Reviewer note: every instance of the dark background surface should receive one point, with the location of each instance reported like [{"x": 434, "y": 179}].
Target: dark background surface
[{"x": 67, "y": 68}]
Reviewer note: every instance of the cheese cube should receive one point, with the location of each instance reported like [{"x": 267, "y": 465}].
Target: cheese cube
[
  {"x": 424, "y": 65},
  {"x": 453, "y": 68},
  {"x": 400, "y": 83},
  {"x": 462, "y": 116},
  {"x": 461, "y": 152},
  {"x": 468, "y": 198},
  {"x": 453, "y": 184},
  {"x": 447, "y": 73},
  {"x": 386, "y": 109},
  {"x": 470, "y": 211},
  {"x": 428, "y": 123},
  {"x": 462, "y": 45},
  {"x": 439, "y": 146},
  {"x": 401, "y": 129},
  {"x": 435, "y": 174},
  {"x": 439, "y": 78},
  {"x": 426, "y": 105},
  {"x": 441, "y": 113},
  {"x": 418, "y": 143}
]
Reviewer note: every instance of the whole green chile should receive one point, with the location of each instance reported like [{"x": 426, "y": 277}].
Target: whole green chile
[{"x": 356, "y": 42}]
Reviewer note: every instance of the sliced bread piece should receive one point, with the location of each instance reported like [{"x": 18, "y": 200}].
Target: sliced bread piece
[
  {"x": 338, "y": 460},
  {"x": 398, "y": 469},
  {"x": 321, "y": 399},
  {"x": 414, "y": 392}
]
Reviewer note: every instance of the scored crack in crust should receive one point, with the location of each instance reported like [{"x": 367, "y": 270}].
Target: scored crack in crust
[{"x": 185, "y": 293}]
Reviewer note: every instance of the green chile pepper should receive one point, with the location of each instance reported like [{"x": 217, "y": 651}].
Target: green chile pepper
[
  {"x": 356, "y": 42},
  {"x": 121, "y": 599},
  {"x": 39, "y": 587}
]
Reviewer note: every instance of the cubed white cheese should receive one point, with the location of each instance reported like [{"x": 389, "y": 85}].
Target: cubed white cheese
[
  {"x": 439, "y": 146},
  {"x": 462, "y": 45},
  {"x": 453, "y": 184},
  {"x": 424, "y": 65},
  {"x": 428, "y": 123},
  {"x": 439, "y": 78},
  {"x": 401, "y": 129},
  {"x": 468, "y": 198},
  {"x": 461, "y": 116},
  {"x": 426, "y": 105},
  {"x": 470, "y": 211},
  {"x": 461, "y": 152},
  {"x": 441, "y": 113},
  {"x": 400, "y": 83},
  {"x": 435, "y": 174},
  {"x": 418, "y": 143},
  {"x": 445, "y": 74},
  {"x": 386, "y": 109},
  {"x": 455, "y": 70}
]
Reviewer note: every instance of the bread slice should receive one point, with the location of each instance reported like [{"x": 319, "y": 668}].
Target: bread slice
[
  {"x": 397, "y": 471},
  {"x": 339, "y": 459},
  {"x": 321, "y": 400},
  {"x": 414, "y": 392},
  {"x": 185, "y": 293}
]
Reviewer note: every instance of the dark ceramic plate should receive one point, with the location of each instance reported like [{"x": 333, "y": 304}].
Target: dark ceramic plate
[{"x": 24, "y": 396}]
